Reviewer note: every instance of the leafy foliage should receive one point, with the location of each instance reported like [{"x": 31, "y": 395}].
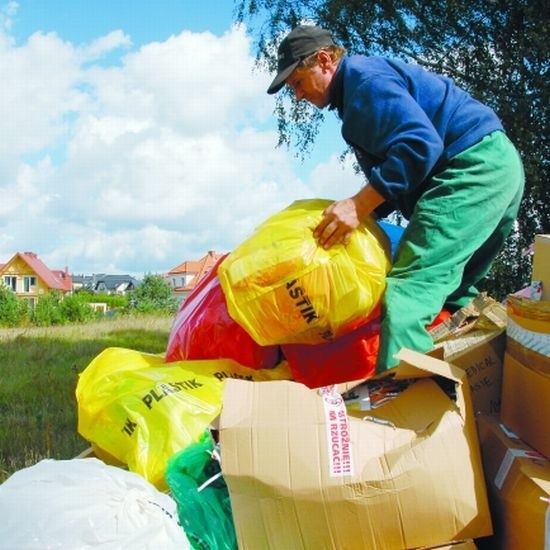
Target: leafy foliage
[
  {"x": 112, "y": 300},
  {"x": 74, "y": 309},
  {"x": 12, "y": 310},
  {"x": 51, "y": 309},
  {"x": 496, "y": 49},
  {"x": 47, "y": 311},
  {"x": 153, "y": 295}
]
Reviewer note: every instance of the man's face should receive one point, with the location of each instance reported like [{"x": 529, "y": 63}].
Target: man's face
[{"x": 311, "y": 84}]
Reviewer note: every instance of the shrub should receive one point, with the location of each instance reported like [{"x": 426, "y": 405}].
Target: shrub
[
  {"x": 47, "y": 311},
  {"x": 75, "y": 309},
  {"x": 112, "y": 300},
  {"x": 12, "y": 310},
  {"x": 153, "y": 295}
]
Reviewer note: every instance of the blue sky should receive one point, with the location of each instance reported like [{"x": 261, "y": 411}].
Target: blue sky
[
  {"x": 137, "y": 135},
  {"x": 145, "y": 21}
]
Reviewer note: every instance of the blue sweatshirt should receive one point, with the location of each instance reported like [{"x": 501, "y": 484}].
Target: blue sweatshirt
[{"x": 404, "y": 124}]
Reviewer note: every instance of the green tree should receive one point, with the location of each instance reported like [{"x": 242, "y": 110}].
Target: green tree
[
  {"x": 75, "y": 309},
  {"x": 12, "y": 310},
  {"x": 496, "y": 49},
  {"x": 47, "y": 311},
  {"x": 153, "y": 295}
]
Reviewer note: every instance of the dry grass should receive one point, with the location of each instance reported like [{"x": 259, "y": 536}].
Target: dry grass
[{"x": 97, "y": 329}]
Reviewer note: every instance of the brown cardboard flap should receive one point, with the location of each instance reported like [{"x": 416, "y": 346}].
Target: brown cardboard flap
[
  {"x": 483, "y": 314},
  {"x": 414, "y": 364},
  {"x": 530, "y": 358},
  {"x": 526, "y": 403},
  {"x": 408, "y": 413}
]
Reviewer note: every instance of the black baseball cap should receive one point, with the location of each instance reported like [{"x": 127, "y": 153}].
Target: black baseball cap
[{"x": 300, "y": 43}]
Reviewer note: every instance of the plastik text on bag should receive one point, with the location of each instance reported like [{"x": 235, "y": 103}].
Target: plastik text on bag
[
  {"x": 304, "y": 305},
  {"x": 160, "y": 391}
]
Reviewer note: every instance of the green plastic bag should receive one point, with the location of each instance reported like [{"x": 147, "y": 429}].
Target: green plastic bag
[{"x": 196, "y": 484}]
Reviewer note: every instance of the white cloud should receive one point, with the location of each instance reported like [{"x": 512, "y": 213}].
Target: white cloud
[
  {"x": 7, "y": 12},
  {"x": 196, "y": 83},
  {"x": 138, "y": 165},
  {"x": 104, "y": 45},
  {"x": 37, "y": 93},
  {"x": 334, "y": 179}
]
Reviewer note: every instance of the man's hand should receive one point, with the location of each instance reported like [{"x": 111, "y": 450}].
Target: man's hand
[
  {"x": 343, "y": 217},
  {"x": 340, "y": 219}
]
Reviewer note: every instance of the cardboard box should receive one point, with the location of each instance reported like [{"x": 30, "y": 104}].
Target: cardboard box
[
  {"x": 541, "y": 264},
  {"x": 528, "y": 357},
  {"x": 474, "y": 339},
  {"x": 526, "y": 403},
  {"x": 303, "y": 473},
  {"x": 528, "y": 332},
  {"x": 482, "y": 362},
  {"x": 517, "y": 479}
]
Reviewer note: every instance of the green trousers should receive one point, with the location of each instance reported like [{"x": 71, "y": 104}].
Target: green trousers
[{"x": 458, "y": 227}]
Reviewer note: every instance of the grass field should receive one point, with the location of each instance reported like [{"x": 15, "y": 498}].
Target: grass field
[{"x": 39, "y": 370}]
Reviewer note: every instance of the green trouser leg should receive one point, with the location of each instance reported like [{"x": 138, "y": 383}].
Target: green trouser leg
[{"x": 458, "y": 227}]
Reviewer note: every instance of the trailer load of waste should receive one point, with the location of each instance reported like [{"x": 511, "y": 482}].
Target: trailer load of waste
[{"x": 263, "y": 424}]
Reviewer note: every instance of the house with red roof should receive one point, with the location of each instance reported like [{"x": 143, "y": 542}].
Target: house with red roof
[
  {"x": 29, "y": 278},
  {"x": 184, "y": 277}
]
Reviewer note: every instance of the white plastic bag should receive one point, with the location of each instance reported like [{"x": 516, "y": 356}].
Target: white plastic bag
[{"x": 83, "y": 504}]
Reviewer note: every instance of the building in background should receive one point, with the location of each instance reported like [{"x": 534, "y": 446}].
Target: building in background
[
  {"x": 184, "y": 277},
  {"x": 29, "y": 278},
  {"x": 102, "y": 283}
]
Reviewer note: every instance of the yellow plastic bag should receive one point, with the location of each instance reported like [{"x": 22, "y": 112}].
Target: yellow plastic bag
[
  {"x": 283, "y": 288},
  {"x": 136, "y": 408}
]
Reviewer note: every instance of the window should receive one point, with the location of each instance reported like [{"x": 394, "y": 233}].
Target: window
[
  {"x": 28, "y": 283},
  {"x": 11, "y": 282}
]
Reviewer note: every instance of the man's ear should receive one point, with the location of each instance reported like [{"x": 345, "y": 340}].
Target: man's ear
[{"x": 324, "y": 60}]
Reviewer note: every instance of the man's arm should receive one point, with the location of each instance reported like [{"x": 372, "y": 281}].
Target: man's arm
[{"x": 342, "y": 217}]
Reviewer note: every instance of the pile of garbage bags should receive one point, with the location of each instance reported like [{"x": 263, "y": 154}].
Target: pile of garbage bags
[
  {"x": 280, "y": 296},
  {"x": 278, "y": 307}
]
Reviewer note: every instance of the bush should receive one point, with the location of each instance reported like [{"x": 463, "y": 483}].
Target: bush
[
  {"x": 47, "y": 311},
  {"x": 153, "y": 295},
  {"x": 112, "y": 300},
  {"x": 12, "y": 310},
  {"x": 55, "y": 309},
  {"x": 75, "y": 309}
]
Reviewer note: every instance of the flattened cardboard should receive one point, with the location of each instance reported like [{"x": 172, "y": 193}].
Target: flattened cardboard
[
  {"x": 517, "y": 477},
  {"x": 526, "y": 403},
  {"x": 541, "y": 264},
  {"x": 417, "y": 476}
]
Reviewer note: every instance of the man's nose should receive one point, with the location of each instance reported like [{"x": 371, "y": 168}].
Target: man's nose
[{"x": 299, "y": 93}]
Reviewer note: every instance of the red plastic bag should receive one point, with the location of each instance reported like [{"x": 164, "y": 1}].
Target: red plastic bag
[
  {"x": 203, "y": 329},
  {"x": 349, "y": 357}
]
